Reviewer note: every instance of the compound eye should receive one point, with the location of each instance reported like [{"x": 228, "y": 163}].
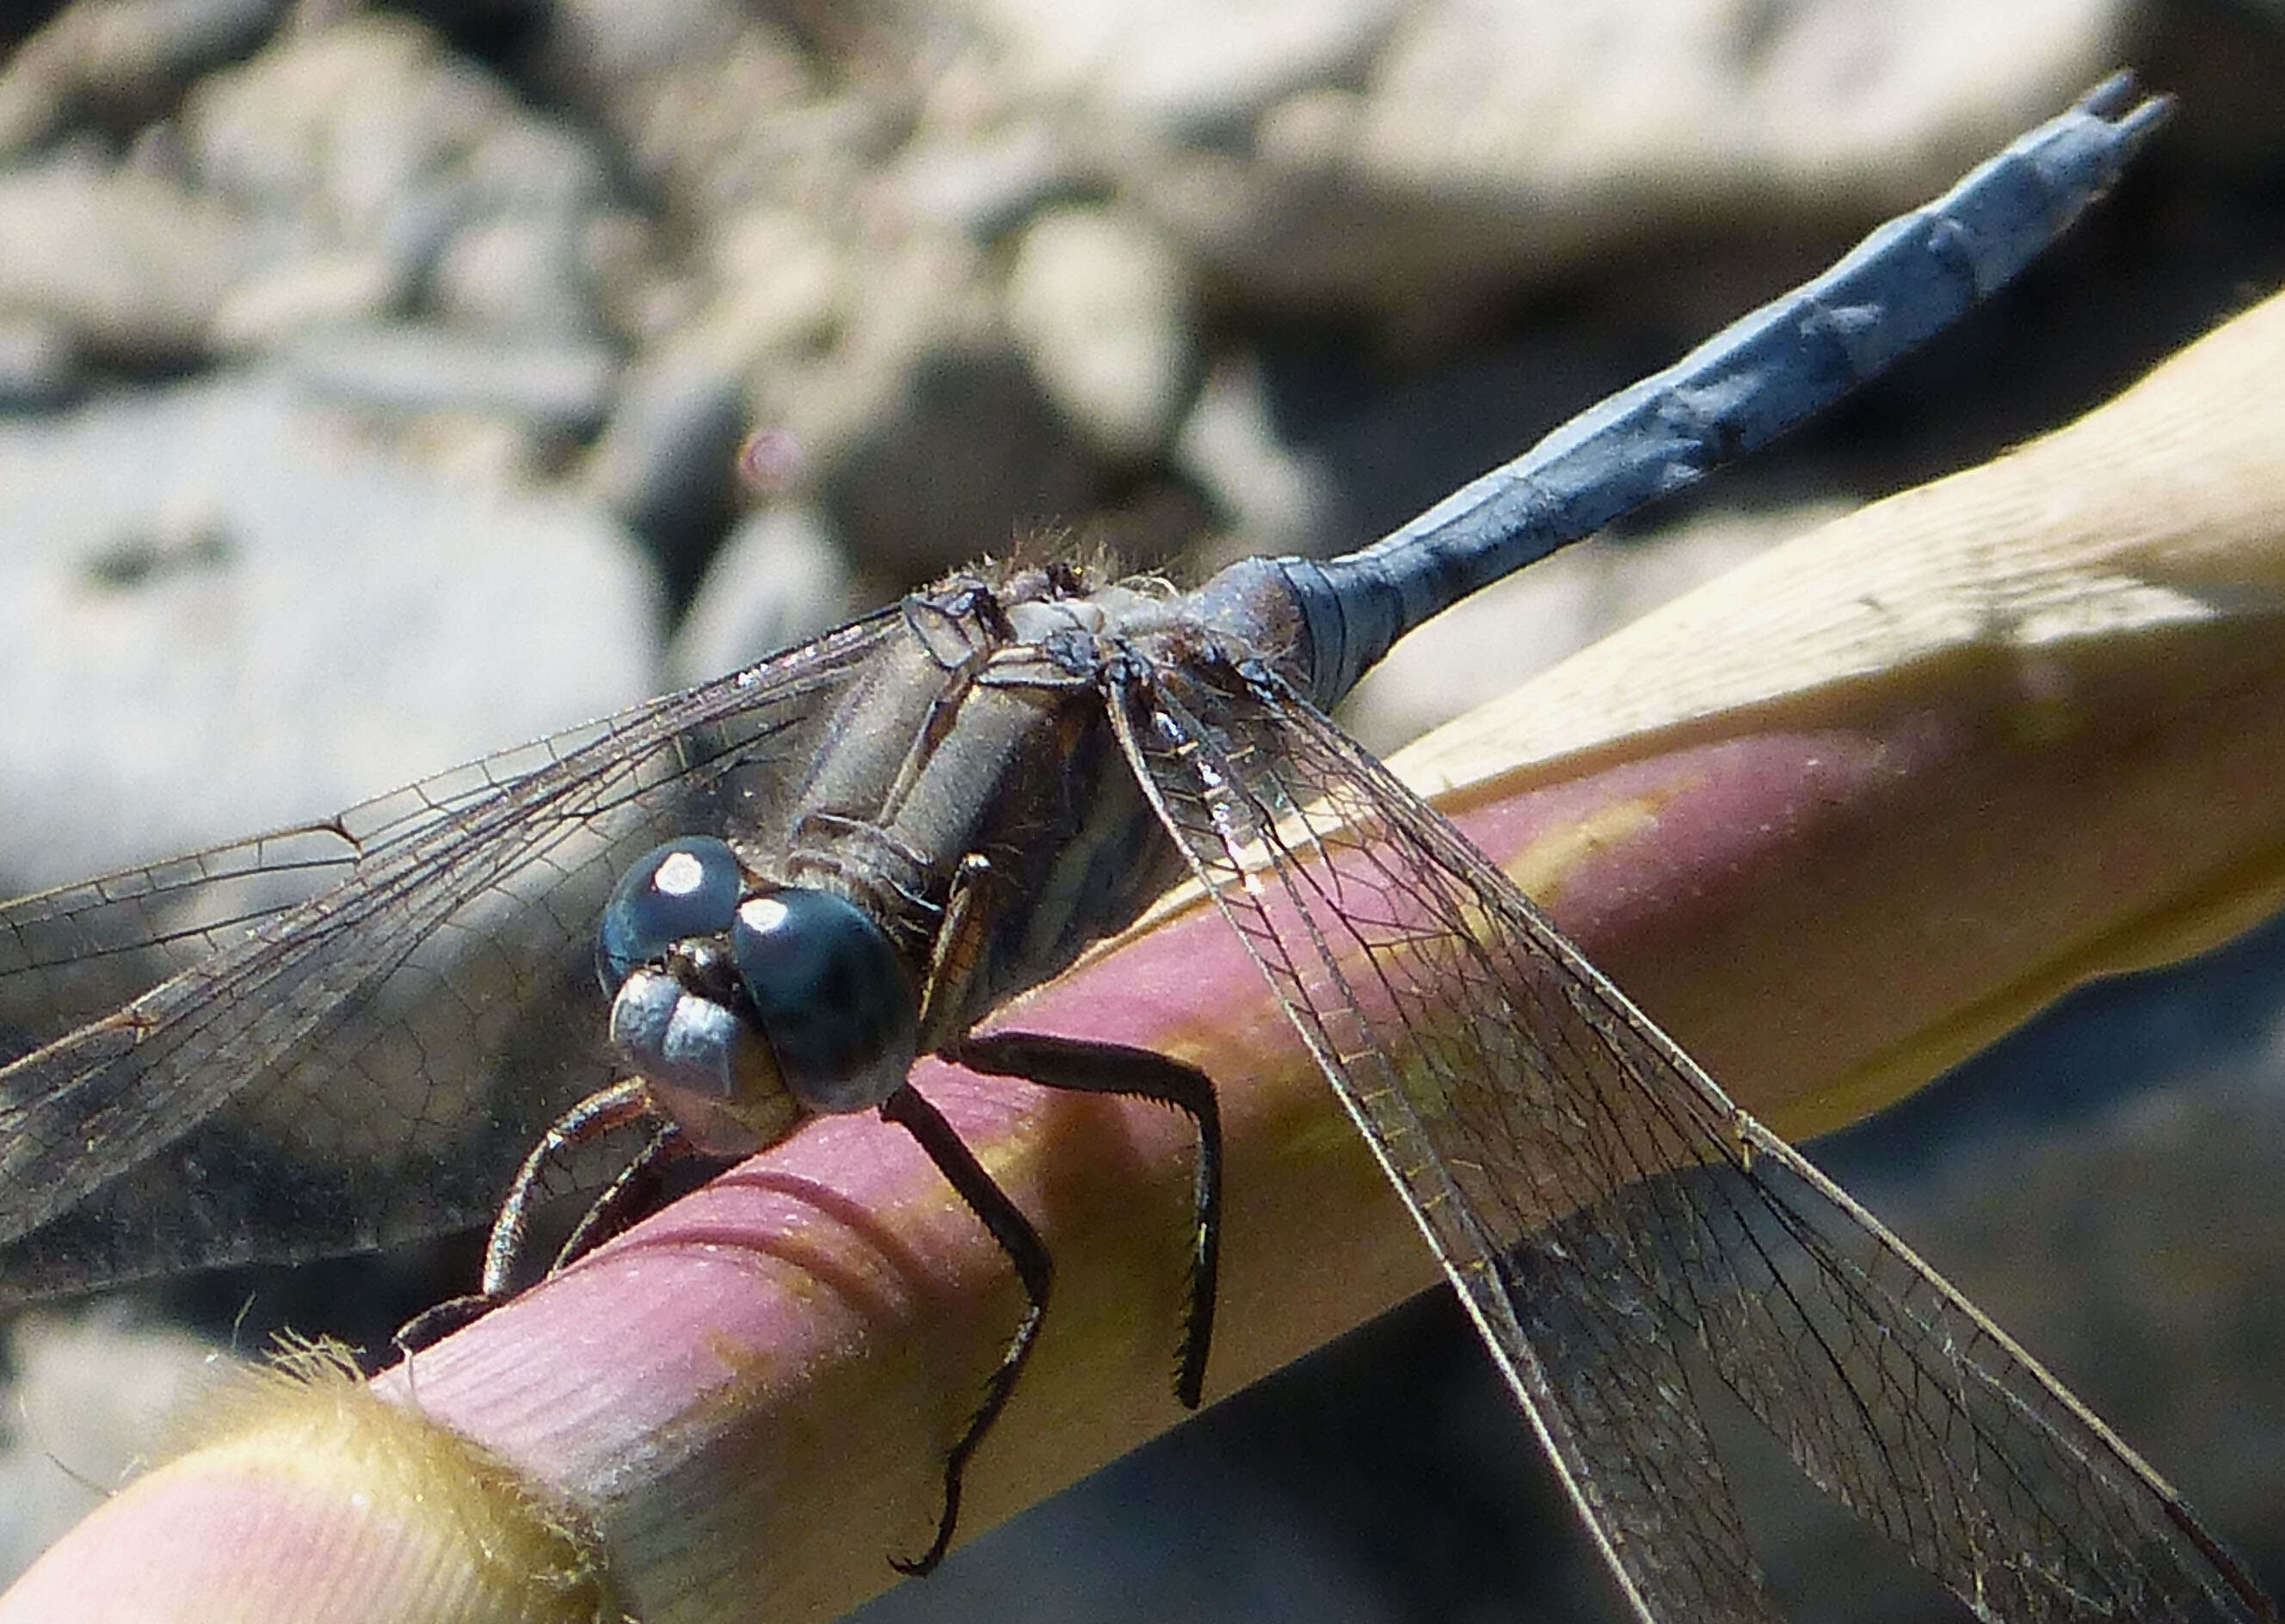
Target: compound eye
[
  {"x": 684, "y": 890},
  {"x": 834, "y": 997}
]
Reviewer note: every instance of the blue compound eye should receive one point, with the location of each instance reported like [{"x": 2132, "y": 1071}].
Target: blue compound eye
[
  {"x": 685, "y": 889},
  {"x": 832, "y": 994}
]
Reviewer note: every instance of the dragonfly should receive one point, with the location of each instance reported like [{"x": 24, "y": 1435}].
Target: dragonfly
[{"x": 795, "y": 880}]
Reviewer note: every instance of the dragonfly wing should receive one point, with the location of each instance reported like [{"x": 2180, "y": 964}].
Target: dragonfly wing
[
  {"x": 335, "y": 1037},
  {"x": 1619, "y": 1230}
]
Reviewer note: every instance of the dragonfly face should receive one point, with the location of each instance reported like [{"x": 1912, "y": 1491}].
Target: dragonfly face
[
  {"x": 745, "y": 1002},
  {"x": 961, "y": 836},
  {"x": 673, "y": 954}
]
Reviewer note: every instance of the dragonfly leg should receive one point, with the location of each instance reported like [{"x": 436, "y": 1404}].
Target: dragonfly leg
[
  {"x": 959, "y": 945},
  {"x": 1113, "y": 1068},
  {"x": 629, "y": 1196},
  {"x": 1024, "y": 1249},
  {"x": 601, "y": 1112}
]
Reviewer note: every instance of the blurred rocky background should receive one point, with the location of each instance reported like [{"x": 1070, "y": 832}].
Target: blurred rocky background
[{"x": 384, "y": 384}]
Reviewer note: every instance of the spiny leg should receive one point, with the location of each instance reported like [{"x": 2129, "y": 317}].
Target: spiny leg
[
  {"x": 1055, "y": 1062},
  {"x": 1021, "y": 1244},
  {"x": 631, "y": 1194},
  {"x": 602, "y": 1112},
  {"x": 1085, "y": 1067}
]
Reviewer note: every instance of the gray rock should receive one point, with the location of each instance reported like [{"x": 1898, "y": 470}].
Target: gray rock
[
  {"x": 1276, "y": 497},
  {"x": 970, "y": 458},
  {"x": 1500, "y": 145},
  {"x": 372, "y": 136},
  {"x": 919, "y": 425},
  {"x": 39, "y": 364},
  {"x": 127, "y": 265},
  {"x": 345, "y": 127},
  {"x": 1100, "y": 305},
  {"x": 667, "y": 461},
  {"x": 308, "y": 293},
  {"x": 525, "y": 275},
  {"x": 603, "y": 43},
  {"x": 531, "y": 165},
  {"x": 713, "y": 103},
  {"x": 225, "y": 615},
  {"x": 119, "y": 60},
  {"x": 779, "y": 580},
  {"x": 1191, "y": 66},
  {"x": 641, "y": 292},
  {"x": 784, "y": 283},
  {"x": 1839, "y": 102},
  {"x": 526, "y": 260},
  {"x": 986, "y": 182},
  {"x": 552, "y": 386}
]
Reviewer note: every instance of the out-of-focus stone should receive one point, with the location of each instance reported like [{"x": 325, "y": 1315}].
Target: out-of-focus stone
[
  {"x": 779, "y": 580},
  {"x": 555, "y": 386},
  {"x": 712, "y": 103},
  {"x": 358, "y": 135},
  {"x": 783, "y": 283},
  {"x": 1848, "y": 102},
  {"x": 39, "y": 366},
  {"x": 904, "y": 299},
  {"x": 228, "y": 612},
  {"x": 639, "y": 293},
  {"x": 1395, "y": 155},
  {"x": 130, "y": 266},
  {"x": 1201, "y": 66},
  {"x": 666, "y": 463},
  {"x": 307, "y": 293},
  {"x": 1276, "y": 497},
  {"x": 345, "y": 121},
  {"x": 984, "y": 183},
  {"x": 380, "y": 167},
  {"x": 516, "y": 274},
  {"x": 531, "y": 165},
  {"x": 917, "y": 422},
  {"x": 1100, "y": 306},
  {"x": 603, "y": 43},
  {"x": 117, "y": 61},
  {"x": 970, "y": 458}
]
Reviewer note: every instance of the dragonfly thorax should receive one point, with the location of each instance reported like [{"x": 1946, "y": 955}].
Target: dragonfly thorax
[{"x": 745, "y": 1006}]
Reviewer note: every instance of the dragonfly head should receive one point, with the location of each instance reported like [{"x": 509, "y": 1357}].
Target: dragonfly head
[{"x": 744, "y": 1006}]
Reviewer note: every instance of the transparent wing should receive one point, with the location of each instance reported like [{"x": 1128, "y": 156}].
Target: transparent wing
[
  {"x": 338, "y": 1036},
  {"x": 1621, "y": 1231}
]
